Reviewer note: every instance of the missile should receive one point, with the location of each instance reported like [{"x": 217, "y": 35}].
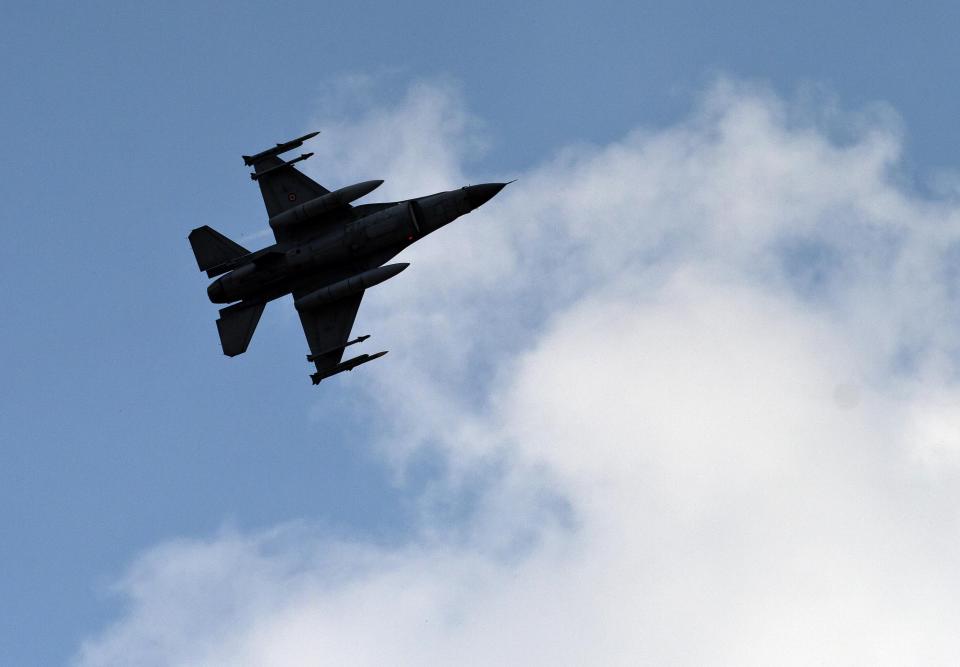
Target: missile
[
  {"x": 358, "y": 339},
  {"x": 323, "y": 203},
  {"x": 347, "y": 365},
  {"x": 348, "y": 286},
  {"x": 250, "y": 160},
  {"x": 289, "y": 163}
]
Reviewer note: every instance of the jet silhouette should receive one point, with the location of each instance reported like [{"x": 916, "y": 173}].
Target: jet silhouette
[{"x": 327, "y": 253}]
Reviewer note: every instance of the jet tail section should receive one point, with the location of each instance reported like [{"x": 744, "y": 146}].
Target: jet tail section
[
  {"x": 236, "y": 326},
  {"x": 211, "y": 248}
]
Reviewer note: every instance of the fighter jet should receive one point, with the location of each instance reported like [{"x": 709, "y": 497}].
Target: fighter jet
[{"x": 327, "y": 253}]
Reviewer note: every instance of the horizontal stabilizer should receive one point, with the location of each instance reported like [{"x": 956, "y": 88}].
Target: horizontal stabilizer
[
  {"x": 211, "y": 248},
  {"x": 236, "y": 326}
]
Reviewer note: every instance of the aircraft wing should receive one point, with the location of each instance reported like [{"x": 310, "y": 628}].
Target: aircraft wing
[
  {"x": 282, "y": 186},
  {"x": 328, "y": 329}
]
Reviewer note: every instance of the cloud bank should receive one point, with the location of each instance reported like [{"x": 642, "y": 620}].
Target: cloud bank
[{"x": 700, "y": 385}]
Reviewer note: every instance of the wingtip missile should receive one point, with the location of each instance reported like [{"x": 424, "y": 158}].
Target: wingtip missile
[
  {"x": 308, "y": 136},
  {"x": 283, "y": 147},
  {"x": 347, "y": 365}
]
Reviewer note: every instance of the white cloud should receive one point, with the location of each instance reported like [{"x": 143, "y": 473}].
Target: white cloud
[{"x": 712, "y": 368}]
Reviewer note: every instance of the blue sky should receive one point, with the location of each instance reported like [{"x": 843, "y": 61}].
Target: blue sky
[{"x": 123, "y": 427}]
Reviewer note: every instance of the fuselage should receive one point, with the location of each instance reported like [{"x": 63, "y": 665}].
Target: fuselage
[{"x": 364, "y": 238}]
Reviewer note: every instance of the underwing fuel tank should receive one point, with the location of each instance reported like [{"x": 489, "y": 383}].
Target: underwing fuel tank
[
  {"x": 349, "y": 286},
  {"x": 323, "y": 203}
]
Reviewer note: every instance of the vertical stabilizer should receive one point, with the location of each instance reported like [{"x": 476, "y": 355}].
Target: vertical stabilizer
[{"x": 212, "y": 248}]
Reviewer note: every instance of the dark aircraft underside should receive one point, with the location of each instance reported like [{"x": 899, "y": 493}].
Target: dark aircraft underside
[{"x": 327, "y": 253}]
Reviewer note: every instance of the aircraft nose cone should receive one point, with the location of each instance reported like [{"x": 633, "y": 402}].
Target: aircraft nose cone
[{"x": 478, "y": 195}]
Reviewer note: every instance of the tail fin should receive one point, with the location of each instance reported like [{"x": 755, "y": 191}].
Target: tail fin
[
  {"x": 236, "y": 326},
  {"x": 211, "y": 248}
]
